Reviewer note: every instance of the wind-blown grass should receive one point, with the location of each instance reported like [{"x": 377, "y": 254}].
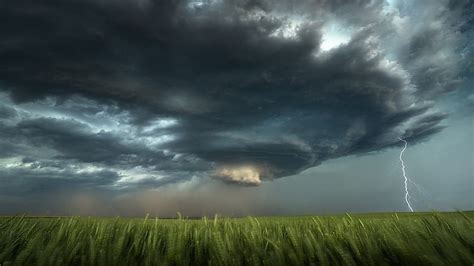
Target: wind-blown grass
[{"x": 413, "y": 239}]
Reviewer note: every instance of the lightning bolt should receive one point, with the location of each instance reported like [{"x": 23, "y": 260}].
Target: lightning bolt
[{"x": 407, "y": 194}]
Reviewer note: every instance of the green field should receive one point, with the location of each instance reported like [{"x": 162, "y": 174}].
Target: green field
[{"x": 370, "y": 239}]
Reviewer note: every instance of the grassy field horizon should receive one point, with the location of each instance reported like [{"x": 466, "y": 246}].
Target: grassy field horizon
[
  {"x": 193, "y": 217},
  {"x": 425, "y": 238}
]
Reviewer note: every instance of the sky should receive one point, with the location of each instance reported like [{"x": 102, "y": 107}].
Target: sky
[{"x": 246, "y": 107}]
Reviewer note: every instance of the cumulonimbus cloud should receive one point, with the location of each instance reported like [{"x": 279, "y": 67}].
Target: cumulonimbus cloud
[{"x": 160, "y": 90}]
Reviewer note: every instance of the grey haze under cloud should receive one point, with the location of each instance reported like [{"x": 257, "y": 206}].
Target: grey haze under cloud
[{"x": 138, "y": 94}]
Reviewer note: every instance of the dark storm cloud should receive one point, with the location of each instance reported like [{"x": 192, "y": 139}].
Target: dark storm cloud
[
  {"x": 72, "y": 141},
  {"x": 434, "y": 52},
  {"x": 37, "y": 178},
  {"x": 7, "y": 112},
  {"x": 247, "y": 82}
]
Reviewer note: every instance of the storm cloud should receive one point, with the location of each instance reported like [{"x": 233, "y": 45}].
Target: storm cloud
[{"x": 138, "y": 94}]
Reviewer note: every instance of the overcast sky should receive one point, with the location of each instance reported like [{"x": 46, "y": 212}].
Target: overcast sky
[{"x": 247, "y": 107}]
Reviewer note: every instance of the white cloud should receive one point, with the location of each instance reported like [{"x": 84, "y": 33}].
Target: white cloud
[{"x": 334, "y": 35}]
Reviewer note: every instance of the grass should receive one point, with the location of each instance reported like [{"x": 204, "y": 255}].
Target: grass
[{"x": 370, "y": 239}]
